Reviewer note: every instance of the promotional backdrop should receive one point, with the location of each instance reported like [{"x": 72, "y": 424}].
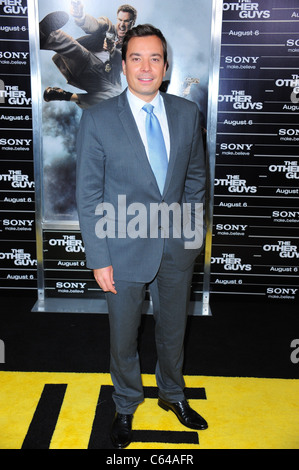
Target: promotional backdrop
[
  {"x": 256, "y": 205},
  {"x": 255, "y": 196},
  {"x": 17, "y": 187}
]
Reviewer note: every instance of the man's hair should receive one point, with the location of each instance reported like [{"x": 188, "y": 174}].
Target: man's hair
[
  {"x": 143, "y": 30},
  {"x": 128, "y": 9}
]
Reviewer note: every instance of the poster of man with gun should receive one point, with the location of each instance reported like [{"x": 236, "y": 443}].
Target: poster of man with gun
[
  {"x": 92, "y": 62},
  {"x": 80, "y": 63}
]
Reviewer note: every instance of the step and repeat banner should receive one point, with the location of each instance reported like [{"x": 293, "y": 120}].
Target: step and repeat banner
[
  {"x": 255, "y": 247},
  {"x": 255, "y": 250},
  {"x": 18, "y": 265}
]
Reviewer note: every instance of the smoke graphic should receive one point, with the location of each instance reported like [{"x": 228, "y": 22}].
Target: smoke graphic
[
  {"x": 60, "y": 126},
  {"x": 199, "y": 94}
]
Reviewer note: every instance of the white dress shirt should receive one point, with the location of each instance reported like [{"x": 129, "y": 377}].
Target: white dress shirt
[{"x": 139, "y": 114}]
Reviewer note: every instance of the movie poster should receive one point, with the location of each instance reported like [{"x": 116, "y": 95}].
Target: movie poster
[{"x": 72, "y": 79}]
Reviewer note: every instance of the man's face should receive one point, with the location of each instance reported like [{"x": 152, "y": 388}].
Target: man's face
[
  {"x": 144, "y": 67},
  {"x": 123, "y": 23}
]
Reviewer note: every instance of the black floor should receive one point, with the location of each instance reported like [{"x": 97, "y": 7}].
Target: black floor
[{"x": 241, "y": 338}]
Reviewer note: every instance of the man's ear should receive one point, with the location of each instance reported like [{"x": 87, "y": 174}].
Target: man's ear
[
  {"x": 124, "y": 67},
  {"x": 165, "y": 68}
]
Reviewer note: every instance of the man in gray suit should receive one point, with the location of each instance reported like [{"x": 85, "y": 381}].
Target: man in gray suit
[{"x": 128, "y": 213}]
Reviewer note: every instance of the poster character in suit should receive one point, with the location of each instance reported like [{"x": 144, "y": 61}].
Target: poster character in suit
[
  {"x": 92, "y": 62},
  {"x": 115, "y": 164}
]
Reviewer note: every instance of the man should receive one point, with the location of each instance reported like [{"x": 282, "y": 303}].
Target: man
[
  {"x": 116, "y": 172},
  {"x": 92, "y": 62}
]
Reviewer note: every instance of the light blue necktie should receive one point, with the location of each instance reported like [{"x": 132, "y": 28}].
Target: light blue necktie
[{"x": 156, "y": 146}]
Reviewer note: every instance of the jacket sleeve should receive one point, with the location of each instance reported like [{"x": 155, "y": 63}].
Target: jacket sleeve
[
  {"x": 90, "y": 177},
  {"x": 195, "y": 182},
  {"x": 90, "y": 25}
]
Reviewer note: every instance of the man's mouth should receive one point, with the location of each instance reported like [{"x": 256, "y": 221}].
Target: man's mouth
[{"x": 145, "y": 79}]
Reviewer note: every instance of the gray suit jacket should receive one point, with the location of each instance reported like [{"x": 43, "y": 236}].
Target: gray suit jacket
[{"x": 113, "y": 174}]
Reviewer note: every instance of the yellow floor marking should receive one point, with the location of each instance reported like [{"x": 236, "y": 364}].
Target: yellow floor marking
[{"x": 243, "y": 413}]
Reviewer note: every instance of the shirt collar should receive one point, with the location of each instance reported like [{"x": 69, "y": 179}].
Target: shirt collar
[{"x": 136, "y": 103}]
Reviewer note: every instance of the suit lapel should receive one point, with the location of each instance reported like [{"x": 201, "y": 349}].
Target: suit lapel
[{"x": 132, "y": 132}]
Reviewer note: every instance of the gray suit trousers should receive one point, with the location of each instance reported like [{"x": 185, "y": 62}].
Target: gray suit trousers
[{"x": 170, "y": 291}]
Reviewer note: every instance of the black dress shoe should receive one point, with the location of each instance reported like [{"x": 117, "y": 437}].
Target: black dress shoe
[
  {"x": 185, "y": 414},
  {"x": 56, "y": 94},
  {"x": 51, "y": 22},
  {"x": 121, "y": 432}
]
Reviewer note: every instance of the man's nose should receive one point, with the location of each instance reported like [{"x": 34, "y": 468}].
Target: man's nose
[{"x": 146, "y": 65}]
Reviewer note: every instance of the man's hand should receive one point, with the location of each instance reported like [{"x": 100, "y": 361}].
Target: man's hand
[
  {"x": 76, "y": 9},
  {"x": 104, "y": 277},
  {"x": 109, "y": 45}
]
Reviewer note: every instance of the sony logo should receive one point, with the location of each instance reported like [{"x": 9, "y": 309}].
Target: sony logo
[
  {"x": 285, "y": 213},
  {"x": 233, "y": 146},
  {"x": 281, "y": 290},
  {"x": 15, "y": 142},
  {"x": 14, "y": 55},
  {"x": 230, "y": 227},
  {"x": 288, "y": 132},
  {"x": 293, "y": 42},
  {"x": 70, "y": 285},
  {"x": 17, "y": 223},
  {"x": 240, "y": 60}
]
